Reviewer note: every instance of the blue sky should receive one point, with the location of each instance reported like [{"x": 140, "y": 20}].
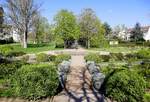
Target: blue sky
[{"x": 114, "y": 12}]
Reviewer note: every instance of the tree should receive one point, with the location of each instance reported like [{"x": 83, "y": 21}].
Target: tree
[
  {"x": 41, "y": 29},
  {"x": 107, "y": 29},
  {"x": 21, "y": 13},
  {"x": 66, "y": 26},
  {"x": 137, "y": 33},
  {"x": 90, "y": 26},
  {"x": 1, "y": 19},
  {"x": 119, "y": 32}
]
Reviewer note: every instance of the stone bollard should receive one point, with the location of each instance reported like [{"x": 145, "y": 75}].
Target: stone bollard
[
  {"x": 63, "y": 69},
  {"x": 97, "y": 80},
  {"x": 92, "y": 67},
  {"x": 97, "y": 77},
  {"x": 64, "y": 66},
  {"x": 90, "y": 63}
]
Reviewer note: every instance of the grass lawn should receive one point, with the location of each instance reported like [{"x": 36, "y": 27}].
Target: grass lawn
[
  {"x": 119, "y": 49},
  {"x": 33, "y": 48}
]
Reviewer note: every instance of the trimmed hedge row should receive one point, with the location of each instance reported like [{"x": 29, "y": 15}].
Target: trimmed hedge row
[
  {"x": 123, "y": 85},
  {"x": 142, "y": 54},
  {"x": 42, "y": 57},
  {"x": 8, "y": 51},
  {"x": 62, "y": 57},
  {"x": 93, "y": 57},
  {"x": 146, "y": 97},
  {"x": 9, "y": 68},
  {"x": 35, "y": 81}
]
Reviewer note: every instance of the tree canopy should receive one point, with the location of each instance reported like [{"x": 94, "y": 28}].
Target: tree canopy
[
  {"x": 91, "y": 27},
  {"x": 137, "y": 33},
  {"x": 107, "y": 28},
  {"x": 22, "y": 13},
  {"x": 41, "y": 29},
  {"x": 66, "y": 26}
]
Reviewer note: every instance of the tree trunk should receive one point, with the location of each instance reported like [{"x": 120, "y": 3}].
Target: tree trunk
[
  {"x": 25, "y": 39},
  {"x": 65, "y": 44},
  {"x": 88, "y": 44}
]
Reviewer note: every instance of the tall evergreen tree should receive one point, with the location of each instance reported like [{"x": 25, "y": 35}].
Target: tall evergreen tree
[
  {"x": 137, "y": 33},
  {"x": 1, "y": 19},
  {"x": 107, "y": 29}
]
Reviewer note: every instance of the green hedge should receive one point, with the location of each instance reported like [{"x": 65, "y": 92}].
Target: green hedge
[
  {"x": 59, "y": 43},
  {"x": 42, "y": 57},
  {"x": 117, "y": 56},
  {"x": 5, "y": 50},
  {"x": 8, "y": 69},
  {"x": 105, "y": 58},
  {"x": 125, "y": 86},
  {"x": 8, "y": 51},
  {"x": 35, "y": 81},
  {"x": 62, "y": 57},
  {"x": 15, "y": 54},
  {"x": 144, "y": 54},
  {"x": 93, "y": 57},
  {"x": 130, "y": 56},
  {"x": 147, "y": 97},
  {"x": 144, "y": 70},
  {"x": 52, "y": 57}
]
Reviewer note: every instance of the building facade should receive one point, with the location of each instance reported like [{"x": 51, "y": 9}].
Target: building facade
[{"x": 125, "y": 34}]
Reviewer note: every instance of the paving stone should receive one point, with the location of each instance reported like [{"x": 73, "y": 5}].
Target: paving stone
[{"x": 78, "y": 84}]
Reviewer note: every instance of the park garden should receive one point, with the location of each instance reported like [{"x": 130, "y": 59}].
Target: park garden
[{"x": 29, "y": 67}]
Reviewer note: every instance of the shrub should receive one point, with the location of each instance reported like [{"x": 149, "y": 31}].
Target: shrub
[
  {"x": 93, "y": 57},
  {"x": 117, "y": 56},
  {"x": 62, "y": 57},
  {"x": 125, "y": 86},
  {"x": 25, "y": 58},
  {"x": 35, "y": 81},
  {"x": 105, "y": 58},
  {"x": 6, "y": 50},
  {"x": 147, "y": 44},
  {"x": 15, "y": 54},
  {"x": 59, "y": 43},
  {"x": 51, "y": 57},
  {"x": 42, "y": 57},
  {"x": 144, "y": 54},
  {"x": 144, "y": 70},
  {"x": 94, "y": 42},
  {"x": 146, "y": 97},
  {"x": 131, "y": 56},
  {"x": 8, "y": 69}
]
